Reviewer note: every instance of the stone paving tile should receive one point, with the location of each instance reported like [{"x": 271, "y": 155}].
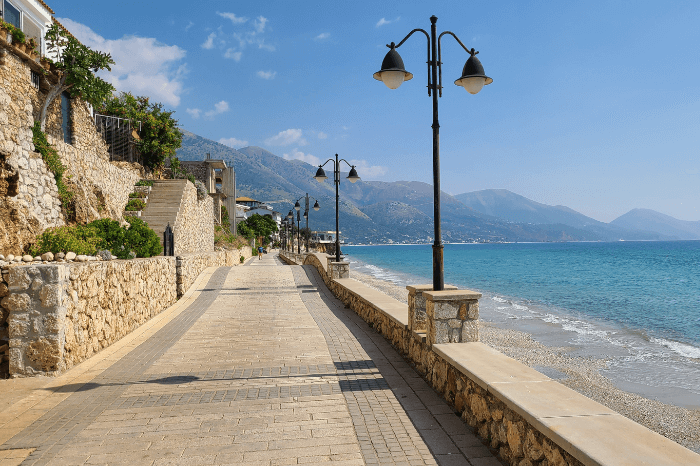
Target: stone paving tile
[{"x": 263, "y": 367}]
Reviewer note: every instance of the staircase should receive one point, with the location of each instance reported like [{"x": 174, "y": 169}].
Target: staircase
[{"x": 163, "y": 205}]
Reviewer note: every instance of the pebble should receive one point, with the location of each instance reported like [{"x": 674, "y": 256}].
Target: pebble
[
  {"x": 60, "y": 256},
  {"x": 37, "y": 259},
  {"x": 10, "y": 258},
  {"x": 71, "y": 256},
  {"x": 47, "y": 256},
  {"x": 2, "y": 258},
  {"x": 27, "y": 258},
  {"x": 81, "y": 258}
]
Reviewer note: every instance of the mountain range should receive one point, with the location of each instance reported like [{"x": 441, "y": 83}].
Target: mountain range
[{"x": 378, "y": 212}]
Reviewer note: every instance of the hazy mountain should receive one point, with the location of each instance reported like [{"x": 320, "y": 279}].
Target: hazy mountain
[
  {"x": 380, "y": 212},
  {"x": 516, "y": 208},
  {"x": 650, "y": 220},
  {"x": 513, "y": 207}
]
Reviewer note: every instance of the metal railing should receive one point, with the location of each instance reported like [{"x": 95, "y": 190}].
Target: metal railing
[{"x": 117, "y": 134}]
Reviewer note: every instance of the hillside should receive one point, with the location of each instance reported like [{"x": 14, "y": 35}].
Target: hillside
[{"x": 659, "y": 223}]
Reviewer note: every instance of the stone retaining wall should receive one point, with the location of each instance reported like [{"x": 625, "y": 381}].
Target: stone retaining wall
[
  {"x": 189, "y": 266},
  {"x": 55, "y": 315},
  {"x": 194, "y": 227},
  {"x": 525, "y": 417}
]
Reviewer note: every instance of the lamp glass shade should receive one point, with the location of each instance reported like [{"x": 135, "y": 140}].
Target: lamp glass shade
[
  {"x": 472, "y": 85},
  {"x": 297, "y": 206},
  {"x": 393, "y": 79},
  {"x": 290, "y": 215},
  {"x": 352, "y": 176},
  {"x": 320, "y": 175},
  {"x": 316, "y": 206},
  {"x": 306, "y": 214}
]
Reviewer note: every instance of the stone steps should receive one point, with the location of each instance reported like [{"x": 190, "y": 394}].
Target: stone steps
[{"x": 163, "y": 205}]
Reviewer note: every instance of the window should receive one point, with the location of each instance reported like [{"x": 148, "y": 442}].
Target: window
[
  {"x": 35, "y": 80},
  {"x": 67, "y": 123},
  {"x": 11, "y": 14}
]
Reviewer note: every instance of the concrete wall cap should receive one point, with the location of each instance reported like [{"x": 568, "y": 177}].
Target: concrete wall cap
[
  {"x": 424, "y": 288},
  {"x": 451, "y": 295}
]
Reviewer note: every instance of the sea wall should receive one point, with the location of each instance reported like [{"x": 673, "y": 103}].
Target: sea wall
[
  {"x": 524, "y": 416},
  {"x": 56, "y": 315}
]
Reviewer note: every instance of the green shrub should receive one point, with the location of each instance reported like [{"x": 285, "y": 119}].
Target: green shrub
[
  {"x": 126, "y": 243},
  {"x": 134, "y": 205},
  {"x": 80, "y": 239},
  {"x": 144, "y": 183},
  {"x": 141, "y": 239},
  {"x": 137, "y": 195}
]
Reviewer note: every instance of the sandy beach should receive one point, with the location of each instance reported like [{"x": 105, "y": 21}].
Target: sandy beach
[{"x": 579, "y": 373}]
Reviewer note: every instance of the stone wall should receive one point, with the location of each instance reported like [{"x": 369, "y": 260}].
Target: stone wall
[
  {"x": 60, "y": 315},
  {"x": 194, "y": 227},
  {"x": 29, "y": 201},
  {"x": 189, "y": 266},
  {"x": 55, "y": 315},
  {"x": 28, "y": 194}
]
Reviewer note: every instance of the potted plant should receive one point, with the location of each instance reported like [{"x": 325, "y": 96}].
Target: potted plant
[
  {"x": 46, "y": 63},
  {"x": 4, "y": 31},
  {"x": 31, "y": 48},
  {"x": 18, "y": 38}
]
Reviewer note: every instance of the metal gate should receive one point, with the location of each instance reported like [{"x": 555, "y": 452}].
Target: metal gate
[{"x": 118, "y": 135}]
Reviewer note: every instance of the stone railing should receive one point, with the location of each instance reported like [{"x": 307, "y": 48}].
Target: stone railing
[
  {"x": 56, "y": 315},
  {"x": 526, "y": 417}
]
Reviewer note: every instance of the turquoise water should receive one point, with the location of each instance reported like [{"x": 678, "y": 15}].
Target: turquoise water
[{"x": 634, "y": 303}]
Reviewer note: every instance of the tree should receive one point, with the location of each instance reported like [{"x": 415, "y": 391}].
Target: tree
[
  {"x": 76, "y": 65},
  {"x": 159, "y": 137},
  {"x": 257, "y": 226}
]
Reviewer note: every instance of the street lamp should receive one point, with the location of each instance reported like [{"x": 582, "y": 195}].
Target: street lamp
[
  {"x": 316, "y": 207},
  {"x": 321, "y": 177},
  {"x": 290, "y": 216},
  {"x": 472, "y": 80}
]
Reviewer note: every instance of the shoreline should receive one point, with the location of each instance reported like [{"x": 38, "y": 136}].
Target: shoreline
[{"x": 581, "y": 373}]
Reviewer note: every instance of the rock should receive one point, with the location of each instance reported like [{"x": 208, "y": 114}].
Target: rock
[
  {"x": 2, "y": 258},
  {"x": 60, "y": 256},
  {"x": 104, "y": 255},
  {"x": 10, "y": 258},
  {"x": 70, "y": 256},
  {"x": 81, "y": 258},
  {"x": 114, "y": 258},
  {"x": 47, "y": 256},
  {"x": 37, "y": 259},
  {"x": 27, "y": 258}
]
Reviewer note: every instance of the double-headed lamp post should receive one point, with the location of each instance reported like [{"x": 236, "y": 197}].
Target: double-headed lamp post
[
  {"x": 290, "y": 216},
  {"x": 473, "y": 79},
  {"x": 283, "y": 234},
  {"x": 316, "y": 207},
  {"x": 321, "y": 177}
]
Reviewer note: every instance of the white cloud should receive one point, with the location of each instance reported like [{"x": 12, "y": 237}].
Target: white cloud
[
  {"x": 219, "y": 108},
  {"x": 234, "y": 19},
  {"x": 322, "y": 135},
  {"x": 286, "y": 138},
  {"x": 194, "y": 112},
  {"x": 384, "y": 21},
  {"x": 322, "y": 36},
  {"x": 260, "y": 23},
  {"x": 187, "y": 28},
  {"x": 235, "y": 56},
  {"x": 368, "y": 171},
  {"x": 209, "y": 43},
  {"x": 298, "y": 155},
  {"x": 268, "y": 47},
  {"x": 233, "y": 142},
  {"x": 143, "y": 65},
  {"x": 267, "y": 74}
]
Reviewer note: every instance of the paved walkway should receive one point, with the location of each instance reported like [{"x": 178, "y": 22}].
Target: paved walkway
[{"x": 257, "y": 365}]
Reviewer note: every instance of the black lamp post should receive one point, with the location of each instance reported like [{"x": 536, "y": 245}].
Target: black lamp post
[
  {"x": 290, "y": 216},
  {"x": 473, "y": 79},
  {"x": 297, "y": 207},
  {"x": 321, "y": 177},
  {"x": 284, "y": 234}
]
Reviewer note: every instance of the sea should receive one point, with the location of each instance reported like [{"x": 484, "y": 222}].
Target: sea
[{"x": 634, "y": 304}]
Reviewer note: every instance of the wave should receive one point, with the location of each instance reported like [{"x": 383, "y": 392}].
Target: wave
[{"x": 683, "y": 349}]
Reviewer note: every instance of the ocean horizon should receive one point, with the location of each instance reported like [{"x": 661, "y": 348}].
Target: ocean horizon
[{"x": 635, "y": 304}]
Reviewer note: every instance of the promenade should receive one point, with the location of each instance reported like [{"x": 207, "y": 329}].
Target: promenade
[{"x": 255, "y": 365}]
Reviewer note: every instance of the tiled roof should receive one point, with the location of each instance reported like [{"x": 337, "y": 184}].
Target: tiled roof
[
  {"x": 245, "y": 199},
  {"x": 64, "y": 28},
  {"x": 46, "y": 6}
]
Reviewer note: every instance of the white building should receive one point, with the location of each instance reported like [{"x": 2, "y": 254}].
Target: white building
[
  {"x": 33, "y": 17},
  {"x": 246, "y": 207}
]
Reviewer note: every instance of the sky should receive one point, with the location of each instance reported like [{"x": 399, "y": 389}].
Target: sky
[{"x": 594, "y": 105}]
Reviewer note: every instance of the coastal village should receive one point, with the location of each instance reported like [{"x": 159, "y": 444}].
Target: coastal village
[{"x": 153, "y": 312}]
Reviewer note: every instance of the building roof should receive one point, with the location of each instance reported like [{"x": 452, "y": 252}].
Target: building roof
[
  {"x": 46, "y": 6},
  {"x": 245, "y": 199},
  {"x": 64, "y": 28}
]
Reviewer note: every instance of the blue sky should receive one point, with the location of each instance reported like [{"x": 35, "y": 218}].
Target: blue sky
[{"x": 595, "y": 105}]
